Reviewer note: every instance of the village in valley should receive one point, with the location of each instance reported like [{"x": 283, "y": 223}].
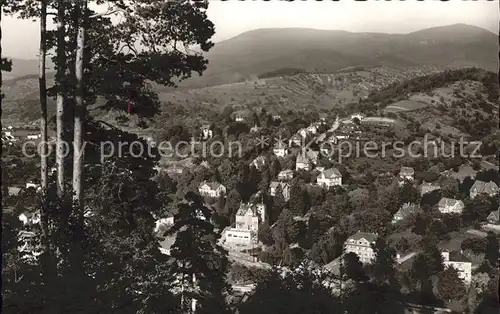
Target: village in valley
[
  {"x": 289, "y": 183},
  {"x": 299, "y": 192},
  {"x": 246, "y": 243}
]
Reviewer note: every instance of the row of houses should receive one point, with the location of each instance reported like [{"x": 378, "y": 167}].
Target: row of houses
[{"x": 362, "y": 243}]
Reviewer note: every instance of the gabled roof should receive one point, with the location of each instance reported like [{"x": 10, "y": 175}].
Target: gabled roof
[
  {"x": 458, "y": 257},
  {"x": 274, "y": 184},
  {"x": 332, "y": 173},
  {"x": 312, "y": 154},
  {"x": 14, "y": 190},
  {"x": 245, "y": 207},
  {"x": 211, "y": 185},
  {"x": 450, "y": 202},
  {"x": 321, "y": 137},
  {"x": 301, "y": 158},
  {"x": 428, "y": 187},
  {"x": 407, "y": 171},
  {"x": 370, "y": 237},
  {"x": 494, "y": 215},
  {"x": 286, "y": 171},
  {"x": 280, "y": 144},
  {"x": 258, "y": 162},
  {"x": 484, "y": 187},
  {"x": 168, "y": 242},
  {"x": 407, "y": 209}
]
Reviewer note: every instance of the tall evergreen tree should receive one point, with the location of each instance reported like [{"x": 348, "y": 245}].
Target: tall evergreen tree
[
  {"x": 200, "y": 264},
  {"x": 383, "y": 268}
]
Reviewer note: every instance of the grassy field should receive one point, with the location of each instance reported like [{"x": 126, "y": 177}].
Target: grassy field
[{"x": 405, "y": 105}]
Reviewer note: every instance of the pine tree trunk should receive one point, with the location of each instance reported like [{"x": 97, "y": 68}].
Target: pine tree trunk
[
  {"x": 43, "y": 122},
  {"x": 60, "y": 98},
  {"x": 1, "y": 62},
  {"x": 78, "y": 155}
]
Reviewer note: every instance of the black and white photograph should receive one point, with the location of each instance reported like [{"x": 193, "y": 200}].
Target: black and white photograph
[{"x": 250, "y": 157}]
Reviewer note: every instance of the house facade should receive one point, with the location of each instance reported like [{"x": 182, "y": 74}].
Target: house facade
[
  {"x": 206, "y": 132},
  {"x": 295, "y": 140},
  {"x": 450, "y": 206},
  {"x": 14, "y": 191},
  {"x": 358, "y": 116},
  {"x": 235, "y": 236},
  {"x": 34, "y": 136},
  {"x": 481, "y": 187},
  {"x": 313, "y": 156},
  {"x": 168, "y": 221},
  {"x": 246, "y": 227},
  {"x": 280, "y": 149},
  {"x": 211, "y": 189},
  {"x": 329, "y": 177},
  {"x": 303, "y": 133},
  {"x": 313, "y": 129},
  {"x": 494, "y": 217},
  {"x": 29, "y": 218},
  {"x": 285, "y": 188},
  {"x": 361, "y": 245},
  {"x": 461, "y": 263},
  {"x": 259, "y": 162},
  {"x": 428, "y": 187},
  {"x": 249, "y": 215},
  {"x": 285, "y": 175},
  {"x": 407, "y": 173},
  {"x": 33, "y": 185},
  {"x": 404, "y": 212},
  {"x": 302, "y": 163}
]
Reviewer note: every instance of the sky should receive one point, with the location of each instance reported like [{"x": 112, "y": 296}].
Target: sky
[{"x": 20, "y": 37}]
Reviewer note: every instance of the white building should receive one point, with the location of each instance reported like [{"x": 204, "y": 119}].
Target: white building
[
  {"x": 302, "y": 163},
  {"x": 313, "y": 129},
  {"x": 34, "y": 136},
  {"x": 246, "y": 228},
  {"x": 280, "y": 149},
  {"x": 450, "y": 206},
  {"x": 33, "y": 185},
  {"x": 494, "y": 217},
  {"x": 206, "y": 132},
  {"x": 329, "y": 177},
  {"x": 249, "y": 216},
  {"x": 407, "y": 173},
  {"x": 238, "y": 236},
  {"x": 211, "y": 189},
  {"x": 404, "y": 212},
  {"x": 428, "y": 188},
  {"x": 169, "y": 221},
  {"x": 29, "y": 218},
  {"x": 461, "y": 263},
  {"x": 303, "y": 133},
  {"x": 285, "y": 175},
  {"x": 313, "y": 156},
  {"x": 259, "y": 162},
  {"x": 239, "y": 118},
  {"x": 358, "y": 116},
  {"x": 296, "y": 140},
  {"x": 481, "y": 187},
  {"x": 14, "y": 191},
  {"x": 361, "y": 245}
]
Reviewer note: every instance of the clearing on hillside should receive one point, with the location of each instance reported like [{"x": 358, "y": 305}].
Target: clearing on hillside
[{"x": 405, "y": 105}]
